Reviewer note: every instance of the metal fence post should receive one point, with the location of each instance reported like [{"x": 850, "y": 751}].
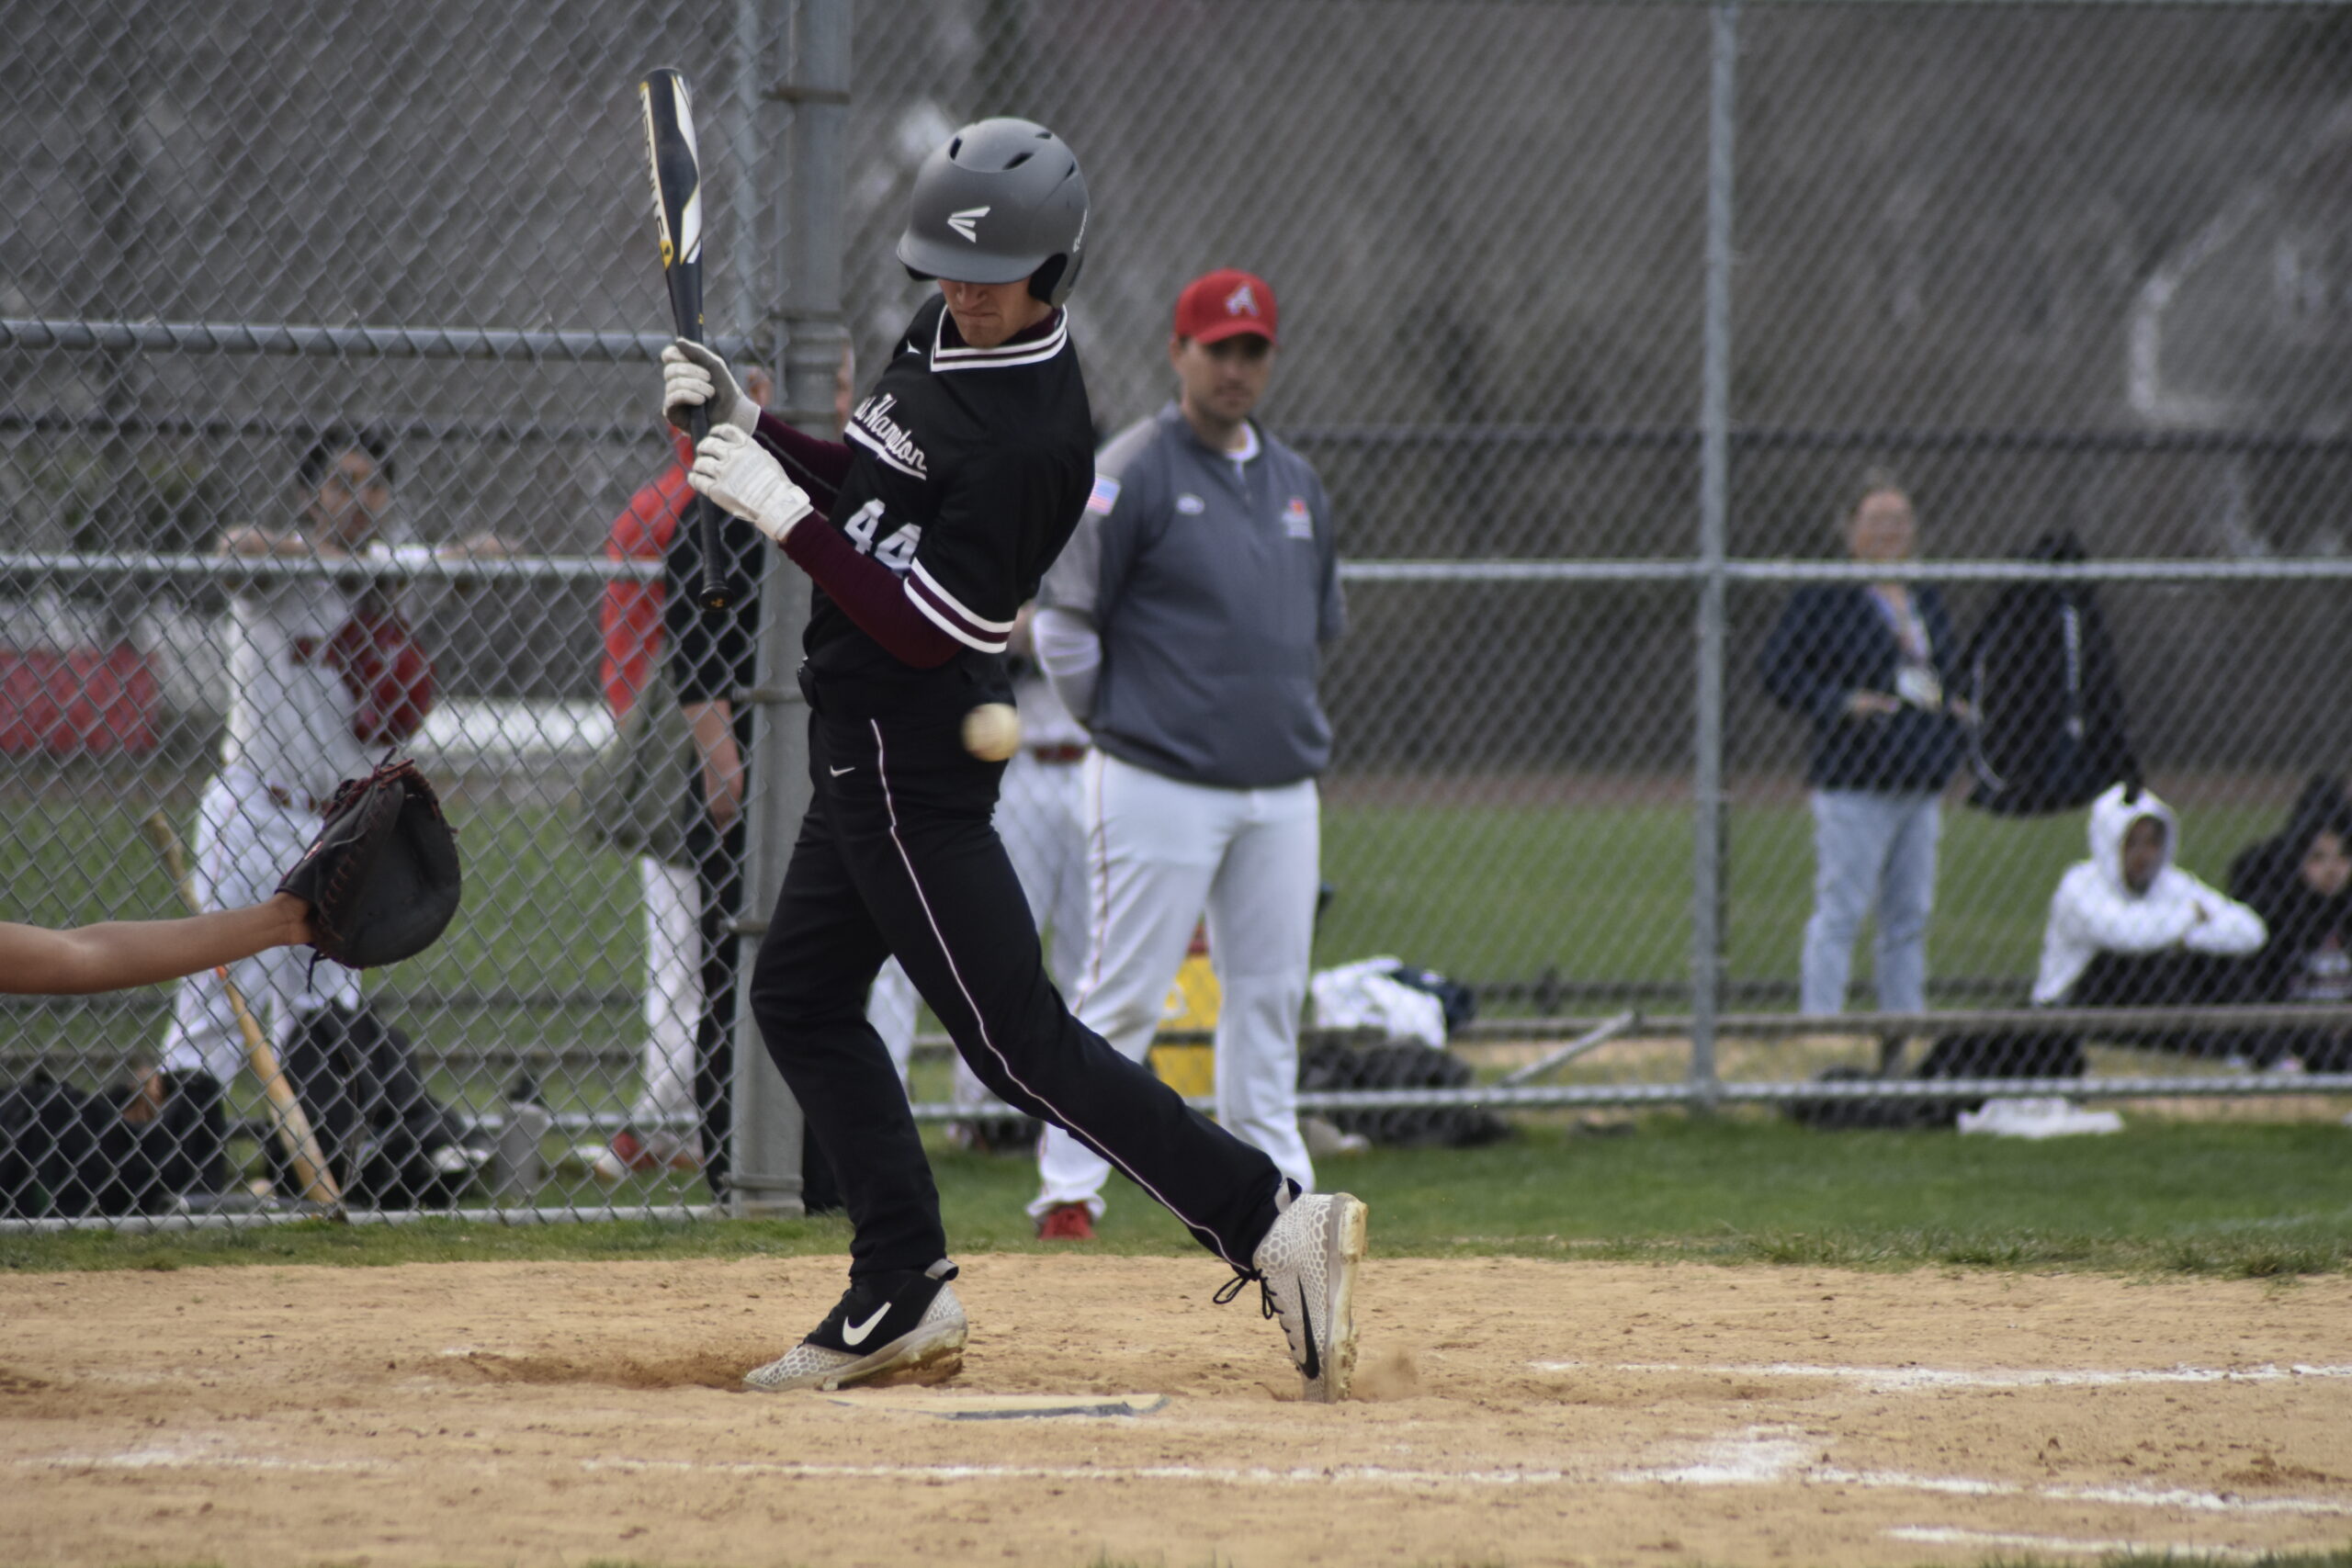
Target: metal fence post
[
  {"x": 767, "y": 1124},
  {"x": 1707, "y": 901},
  {"x": 813, "y": 246}
]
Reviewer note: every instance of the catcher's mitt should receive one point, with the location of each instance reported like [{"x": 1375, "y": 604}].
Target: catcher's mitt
[{"x": 382, "y": 878}]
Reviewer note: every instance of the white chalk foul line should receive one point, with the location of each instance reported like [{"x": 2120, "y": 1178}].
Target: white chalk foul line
[
  {"x": 1234, "y": 1476},
  {"x": 1759, "y": 1457},
  {"x": 1913, "y": 1379},
  {"x": 181, "y": 1458},
  {"x": 1938, "y": 1535},
  {"x": 2182, "y": 1499},
  {"x": 1771, "y": 1455}
]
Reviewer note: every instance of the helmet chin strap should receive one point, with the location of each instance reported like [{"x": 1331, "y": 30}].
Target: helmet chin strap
[
  {"x": 1053, "y": 281},
  {"x": 1045, "y": 281}
]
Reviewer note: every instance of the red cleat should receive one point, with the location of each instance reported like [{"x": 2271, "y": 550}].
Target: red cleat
[
  {"x": 1067, "y": 1222},
  {"x": 624, "y": 1155}
]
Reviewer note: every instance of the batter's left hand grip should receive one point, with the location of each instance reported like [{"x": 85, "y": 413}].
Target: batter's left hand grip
[{"x": 714, "y": 596}]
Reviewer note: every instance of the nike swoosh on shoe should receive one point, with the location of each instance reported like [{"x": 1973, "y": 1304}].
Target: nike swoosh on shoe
[{"x": 856, "y": 1333}]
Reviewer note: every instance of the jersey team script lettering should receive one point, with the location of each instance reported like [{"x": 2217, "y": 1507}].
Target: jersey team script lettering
[{"x": 872, "y": 428}]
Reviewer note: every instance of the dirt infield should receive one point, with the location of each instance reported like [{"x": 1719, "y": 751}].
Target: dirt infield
[{"x": 1522, "y": 1412}]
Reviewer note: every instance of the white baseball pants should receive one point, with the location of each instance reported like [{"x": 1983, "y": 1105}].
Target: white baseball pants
[
  {"x": 1159, "y": 852},
  {"x": 665, "y": 1115},
  {"x": 244, "y": 842}
]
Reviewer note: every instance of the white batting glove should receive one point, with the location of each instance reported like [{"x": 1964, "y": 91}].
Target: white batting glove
[
  {"x": 742, "y": 476},
  {"x": 692, "y": 375}
]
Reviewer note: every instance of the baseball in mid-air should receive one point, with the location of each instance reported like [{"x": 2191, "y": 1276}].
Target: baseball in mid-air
[{"x": 992, "y": 731}]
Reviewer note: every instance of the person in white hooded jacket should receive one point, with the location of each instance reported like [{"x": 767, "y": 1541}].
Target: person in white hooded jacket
[{"x": 2128, "y": 928}]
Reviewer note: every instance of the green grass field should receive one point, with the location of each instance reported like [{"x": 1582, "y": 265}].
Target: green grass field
[
  {"x": 546, "y": 956},
  {"x": 1483, "y": 892},
  {"x": 2223, "y": 1198}
]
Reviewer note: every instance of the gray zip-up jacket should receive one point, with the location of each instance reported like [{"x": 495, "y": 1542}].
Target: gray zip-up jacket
[{"x": 1213, "y": 586}]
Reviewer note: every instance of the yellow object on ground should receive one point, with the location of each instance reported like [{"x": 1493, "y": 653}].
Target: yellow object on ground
[{"x": 1192, "y": 1005}]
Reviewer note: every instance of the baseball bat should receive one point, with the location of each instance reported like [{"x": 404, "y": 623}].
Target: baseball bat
[
  {"x": 294, "y": 1131},
  {"x": 677, "y": 223}
]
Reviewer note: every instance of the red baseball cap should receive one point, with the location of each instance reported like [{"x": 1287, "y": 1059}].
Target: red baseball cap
[{"x": 1226, "y": 303}]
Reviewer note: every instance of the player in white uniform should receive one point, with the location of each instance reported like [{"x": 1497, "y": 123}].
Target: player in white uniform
[
  {"x": 290, "y": 740},
  {"x": 322, "y": 675}
]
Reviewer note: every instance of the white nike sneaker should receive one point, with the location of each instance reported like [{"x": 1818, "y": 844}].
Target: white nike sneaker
[
  {"x": 456, "y": 1160},
  {"x": 1306, "y": 1269},
  {"x": 903, "y": 1325}
]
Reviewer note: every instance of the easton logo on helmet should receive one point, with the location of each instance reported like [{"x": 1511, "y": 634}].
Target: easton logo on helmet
[{"x": 967, "y": 222}]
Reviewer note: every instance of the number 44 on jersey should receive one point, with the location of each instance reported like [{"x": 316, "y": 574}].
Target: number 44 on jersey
[{"x": 897, "y": 549}]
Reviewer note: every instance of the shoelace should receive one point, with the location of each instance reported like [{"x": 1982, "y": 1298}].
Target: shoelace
[{"x": 1240, "y": 1281}]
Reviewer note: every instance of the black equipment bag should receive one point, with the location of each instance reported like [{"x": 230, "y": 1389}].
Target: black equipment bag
[
  {"x": 1333, "y": 1065},
  {"x": 68, "y": 1153},
  {"x": 2050, "y": 732},
  {"x": 378, "y": 1128},
  {"x": 2016, "y": 1055}
]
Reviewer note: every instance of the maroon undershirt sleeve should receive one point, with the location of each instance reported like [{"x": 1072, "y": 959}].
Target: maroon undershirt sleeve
[
  {"x": 869, "y": 594},
  {"x": 817, "y": 466}
]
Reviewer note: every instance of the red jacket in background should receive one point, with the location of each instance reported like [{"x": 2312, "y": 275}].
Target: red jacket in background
[
  {"x": 82, "y": 703},
  {"x": 630, "y": 615}
]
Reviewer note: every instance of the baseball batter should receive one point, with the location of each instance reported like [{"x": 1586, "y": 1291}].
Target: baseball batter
[
  {"x": 1184, "y": 626},
  {"x": 967, "y": 463}
]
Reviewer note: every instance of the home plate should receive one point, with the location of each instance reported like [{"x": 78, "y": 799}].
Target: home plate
[{"x": 996, "y": 1406}]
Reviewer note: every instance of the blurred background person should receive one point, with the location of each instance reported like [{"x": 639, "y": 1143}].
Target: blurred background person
[
  {"x": 2301, "y": 884},
  {"x": 2128, "y": 928},
  {"x": 324, "y": 673},
  {"x": 663, "y": 1121},
  {"x": 1185, "y": 627},
  {"x": 1870, "y": 664}
]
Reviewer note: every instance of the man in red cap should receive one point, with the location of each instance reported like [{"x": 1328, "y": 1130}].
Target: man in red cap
[{"x": 1184, "y": 626}]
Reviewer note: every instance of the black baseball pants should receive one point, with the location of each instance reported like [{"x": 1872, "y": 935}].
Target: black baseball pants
[{"x": 897, "y": 856}]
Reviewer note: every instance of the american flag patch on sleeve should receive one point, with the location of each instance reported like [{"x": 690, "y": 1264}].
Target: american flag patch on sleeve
[{"x": 1105, "y": 496}]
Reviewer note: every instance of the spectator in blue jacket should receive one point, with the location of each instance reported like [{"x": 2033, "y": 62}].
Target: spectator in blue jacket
[{"x": 1869, "y": 664}]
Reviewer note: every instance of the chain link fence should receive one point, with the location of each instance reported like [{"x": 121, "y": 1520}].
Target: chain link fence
[{"x": 1594, "y": 318}]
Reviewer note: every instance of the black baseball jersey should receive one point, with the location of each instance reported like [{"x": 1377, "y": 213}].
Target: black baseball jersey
[{"x": 969, "y": 469}]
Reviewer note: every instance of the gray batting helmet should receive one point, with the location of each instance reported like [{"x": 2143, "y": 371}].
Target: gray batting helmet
[{"x": 1003, "y": 200}]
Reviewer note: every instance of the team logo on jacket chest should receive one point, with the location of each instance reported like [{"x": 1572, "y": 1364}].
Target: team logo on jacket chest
[
  {"x": 1297, "y": 522},
  {"x": 872, "y": 428}
]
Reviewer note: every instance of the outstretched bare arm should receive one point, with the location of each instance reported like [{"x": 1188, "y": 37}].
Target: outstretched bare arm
[{"x": 38, "y": 962}]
